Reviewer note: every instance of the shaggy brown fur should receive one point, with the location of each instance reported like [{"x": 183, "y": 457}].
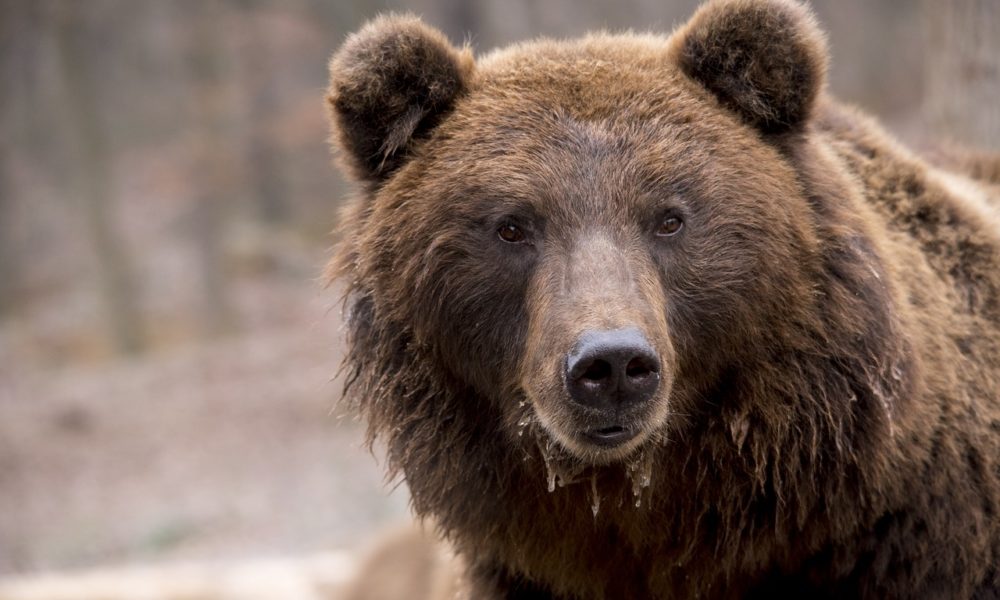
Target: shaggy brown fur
[{"x": 827, "y": 319}]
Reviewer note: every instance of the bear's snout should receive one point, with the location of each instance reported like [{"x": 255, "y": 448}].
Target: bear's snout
[
  {"x": 599, "y": 362},
  {"x": 612, "y": 370}
]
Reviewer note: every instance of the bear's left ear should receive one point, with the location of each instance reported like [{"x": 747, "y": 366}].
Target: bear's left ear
[
  {"x": 390, "y": 84},
  {"x": 763, "y": 59}
]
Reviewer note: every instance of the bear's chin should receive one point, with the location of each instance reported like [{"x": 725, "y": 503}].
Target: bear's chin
[
  {"x": 587, "y": 445},
  {"x": 584, "y": 448}
]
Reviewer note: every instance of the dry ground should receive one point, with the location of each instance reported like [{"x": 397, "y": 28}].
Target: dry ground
[{"x": 218, "y": 452}]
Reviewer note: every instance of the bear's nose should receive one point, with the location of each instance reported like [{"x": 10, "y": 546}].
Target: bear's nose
[{"x": 608, "y": 370}]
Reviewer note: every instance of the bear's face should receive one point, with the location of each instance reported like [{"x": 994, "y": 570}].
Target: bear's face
[{"x": 575, "y": 232}]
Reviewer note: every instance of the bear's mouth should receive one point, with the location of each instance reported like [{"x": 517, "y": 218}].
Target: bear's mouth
[{"x": 610, "y": 436}]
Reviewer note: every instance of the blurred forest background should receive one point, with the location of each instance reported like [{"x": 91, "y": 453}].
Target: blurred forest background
[{"x": 167, "y": 348}]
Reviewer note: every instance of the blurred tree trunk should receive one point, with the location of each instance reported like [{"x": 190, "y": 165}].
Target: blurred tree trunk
[
  {"x": 264, "y": 157},
  {"x": 261, "y": 89},
  {"x": 214, "y": 165},
  {"x": 19, "y": 32},
  {"x": 9, "y": 259},
  {"x": 9, "y": 267},
  {"x": 93, "y": 176},
  {"x": 962, "y": 95}
]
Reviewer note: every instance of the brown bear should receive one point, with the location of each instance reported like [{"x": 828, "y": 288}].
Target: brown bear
[{"x": 657, "y": 317}]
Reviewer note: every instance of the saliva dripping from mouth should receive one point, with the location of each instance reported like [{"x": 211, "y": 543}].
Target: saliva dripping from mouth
[{"x": 563, "y": 469}]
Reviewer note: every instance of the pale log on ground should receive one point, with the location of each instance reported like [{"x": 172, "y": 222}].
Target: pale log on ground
[{"x": 317, "y": 577}]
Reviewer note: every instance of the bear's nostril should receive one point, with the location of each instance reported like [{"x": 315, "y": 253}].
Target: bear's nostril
[
  {"x": 597, "y": 371},
  {"x": 638, "y": 368}
]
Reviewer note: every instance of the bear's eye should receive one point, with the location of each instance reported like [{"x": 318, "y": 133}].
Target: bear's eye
[
  {"x": 670, "y": 225},
  {"x": 510, "y": 233}
]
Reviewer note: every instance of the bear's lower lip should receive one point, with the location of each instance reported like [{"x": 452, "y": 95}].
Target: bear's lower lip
[{"x": 609, "y": 437}]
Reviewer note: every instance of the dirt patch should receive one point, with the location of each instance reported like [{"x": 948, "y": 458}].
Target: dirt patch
[{"x": 221, "y": 451}]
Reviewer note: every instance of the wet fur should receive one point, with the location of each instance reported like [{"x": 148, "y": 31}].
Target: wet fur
[{"x": 832, "y": 424}]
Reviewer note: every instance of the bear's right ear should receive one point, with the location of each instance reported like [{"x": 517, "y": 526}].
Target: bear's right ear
[{"x": 390, "y": 84}]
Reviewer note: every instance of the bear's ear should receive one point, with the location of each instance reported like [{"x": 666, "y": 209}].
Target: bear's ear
[
  {"x": 390, "y": 84},
  {"x": 763, "y": 59}
]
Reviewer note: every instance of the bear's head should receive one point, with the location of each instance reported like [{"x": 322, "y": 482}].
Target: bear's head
[{"x": 588, "y": 244}]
